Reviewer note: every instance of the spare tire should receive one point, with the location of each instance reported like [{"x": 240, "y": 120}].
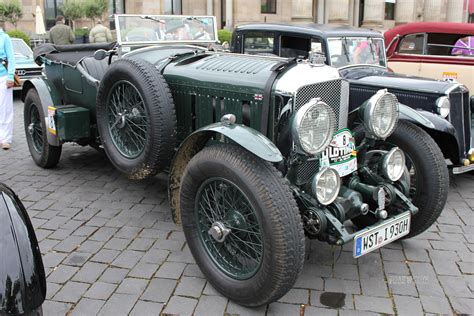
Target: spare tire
[{"x": 136, "y": 118}]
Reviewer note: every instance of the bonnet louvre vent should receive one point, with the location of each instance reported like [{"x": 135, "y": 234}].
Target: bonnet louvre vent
[{"x": 235, "y": 64}]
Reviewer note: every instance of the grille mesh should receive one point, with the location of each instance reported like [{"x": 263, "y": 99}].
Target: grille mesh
[{"x": 334, "y": 93}]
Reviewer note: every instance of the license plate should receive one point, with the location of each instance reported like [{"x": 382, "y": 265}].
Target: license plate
[{"x": 381, "y": 235}]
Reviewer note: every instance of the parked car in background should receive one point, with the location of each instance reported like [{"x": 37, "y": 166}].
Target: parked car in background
[
  {"x": 438, "y": 50},
  {"x": 260, "y": 150},
  {"x": 26, "y": 67},
  {"x": 442, "y": 108},
  {"x": 22, "y": 277}
]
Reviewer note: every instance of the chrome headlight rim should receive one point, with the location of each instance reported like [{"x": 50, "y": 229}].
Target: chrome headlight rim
[
  {"x": 317, "y": 178},
  {"x": 298, "y": 119},
  {"x": 369, "y": 109},
  {"x": 443, "y": 106},
  {"x": 388, "y": 158}
]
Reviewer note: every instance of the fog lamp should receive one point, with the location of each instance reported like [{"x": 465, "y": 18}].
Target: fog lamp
[
  {"x": 394, "y": 164},
  {"x": 326, "y": 184}
]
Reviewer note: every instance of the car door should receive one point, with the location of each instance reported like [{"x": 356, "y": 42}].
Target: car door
[
  {"x": 408, "y": 54},
  {"x": 445, "y": 59}
]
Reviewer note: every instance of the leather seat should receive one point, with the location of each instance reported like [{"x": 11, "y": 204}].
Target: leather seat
[{"x": 95, "y": 68}]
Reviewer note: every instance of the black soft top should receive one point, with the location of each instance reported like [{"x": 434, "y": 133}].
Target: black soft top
[
  {"x": 68, "y": 54},
  {"x": 320, "y": 30}
]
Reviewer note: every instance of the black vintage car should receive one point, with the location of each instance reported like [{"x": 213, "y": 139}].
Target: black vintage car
[
  {"x": 444, "y": 107},
  {"x": 22, "y": 277}
]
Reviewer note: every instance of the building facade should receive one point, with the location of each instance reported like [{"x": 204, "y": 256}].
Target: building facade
[{"x": 376, "y": 14}]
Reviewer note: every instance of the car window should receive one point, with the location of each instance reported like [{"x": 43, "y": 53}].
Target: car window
[
  {"x": 356, "y": 51},
  {"x": 412, "y": 44},
  {"x": 449, "y": 44},
  {"x": 259, "y": 43},
  {"x": 464, "y": 46},
  {"x": 294, "y": 46},
  {"x": 20, "y": 48}
]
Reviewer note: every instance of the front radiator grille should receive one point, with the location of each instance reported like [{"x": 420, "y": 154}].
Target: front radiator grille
[
  {"x": 460, "y": 117},
  {"x": 334, "y": 93}
]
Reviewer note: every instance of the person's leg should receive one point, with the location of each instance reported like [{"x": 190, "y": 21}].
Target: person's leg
[{"x": 6, "y": 113}]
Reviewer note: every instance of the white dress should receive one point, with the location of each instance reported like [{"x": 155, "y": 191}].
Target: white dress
[{"x": 6, "y": 111}]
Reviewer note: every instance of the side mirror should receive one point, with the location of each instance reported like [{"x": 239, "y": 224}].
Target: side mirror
[{"x": 100, "y": 54}]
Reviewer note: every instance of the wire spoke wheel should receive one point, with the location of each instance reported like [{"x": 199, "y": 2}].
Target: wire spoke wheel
[
  {"x": 35, "y": 130},
  {"x": 228, "y": 228},
  {"x": 127, "y": 119}
]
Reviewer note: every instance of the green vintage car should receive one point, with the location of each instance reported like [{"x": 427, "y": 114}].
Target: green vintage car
[{"x": 260, "y": 151}]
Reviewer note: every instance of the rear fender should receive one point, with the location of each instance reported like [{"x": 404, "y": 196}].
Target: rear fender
[
  {"x": 244, "y": 136},
  {"x": 48, "y": 95}
]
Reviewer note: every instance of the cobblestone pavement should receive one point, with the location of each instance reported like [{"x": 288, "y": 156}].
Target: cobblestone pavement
[{"x": 109, "y": 247}]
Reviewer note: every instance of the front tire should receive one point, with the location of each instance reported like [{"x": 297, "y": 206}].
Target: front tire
[
  {"x": 44, "y": 155},
  {"x": 429, "y": 176},
  {"x": 259, "y": 260}
]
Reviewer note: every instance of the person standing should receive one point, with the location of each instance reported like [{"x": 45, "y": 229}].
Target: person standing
[
  {"x": 61, "y": 34},
  {"x": 7, "y": 72},
  {"x": 100, "y": 33}
]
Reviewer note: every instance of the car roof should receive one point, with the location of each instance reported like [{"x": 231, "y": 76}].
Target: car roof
[
  {"x": 320, "y": 30},
  {"x": 430, "y": 27}
]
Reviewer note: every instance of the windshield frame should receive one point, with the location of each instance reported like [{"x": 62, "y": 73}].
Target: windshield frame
[
  {"x": 120, "y": 42},
  {"x": 343, "y": 41}
]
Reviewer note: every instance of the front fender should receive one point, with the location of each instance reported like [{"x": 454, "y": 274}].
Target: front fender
[
  {"x": 442, "y": 131},
  {"x": 244, "y": 136},
  {"x": 48, "y": 95},
  {"x": 22, "y": 277}
]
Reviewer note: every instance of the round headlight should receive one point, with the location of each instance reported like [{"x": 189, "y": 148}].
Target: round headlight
[
  {"x": 314, "y": 126},
  {"x": 326, "y": 184},
  {"x": 381, "y": 114},
  {"x": 394, "y": 164},
  {"x": 443, "y": 106}
]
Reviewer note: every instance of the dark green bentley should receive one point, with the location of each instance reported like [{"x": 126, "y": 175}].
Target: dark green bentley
[{"x": 260, "y": 151}]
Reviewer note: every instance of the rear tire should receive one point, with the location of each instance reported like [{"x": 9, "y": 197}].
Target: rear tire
[
  {"x": 43, "y": 154},
  {"x": 429, "y": 191},
  {"x": 261, "y": 258},
  {"x": 136, "y": 118}
]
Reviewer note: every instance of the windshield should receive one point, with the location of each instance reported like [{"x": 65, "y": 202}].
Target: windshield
[
  {"x": 144, "y": 29},
  {"x": 348, "y": 51},
  {"x": 21, "y": 49}
]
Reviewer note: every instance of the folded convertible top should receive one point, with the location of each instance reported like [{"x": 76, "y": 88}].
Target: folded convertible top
[{"x": 69, "y": 54}]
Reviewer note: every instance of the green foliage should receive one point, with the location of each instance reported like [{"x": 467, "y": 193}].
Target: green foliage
[
  {"x": 94, "y": 9},
  {"x": 82, "y": 32},
  {"x": 19, "y": 34},
  {"x": 11, "y": 11},
  {"x": 73, "y": 10},
  {"x": 224, "y": 35}
]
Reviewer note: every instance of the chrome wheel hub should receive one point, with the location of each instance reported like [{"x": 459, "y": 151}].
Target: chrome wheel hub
[
  {"x": 31, "y": 128},
  {"x": 218, "y": 231}
]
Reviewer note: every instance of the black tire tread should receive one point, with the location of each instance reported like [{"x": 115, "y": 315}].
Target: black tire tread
[{"x": 276, "y": 195}]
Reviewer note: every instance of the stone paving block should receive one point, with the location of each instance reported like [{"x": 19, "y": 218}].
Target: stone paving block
[
  {"x": 87, "y": 306},
  {"x": 143, "y": 270},
  {"x": 210, "y": 305},
  {"x": 90, "y": 246},
  {"x": 132, "y": 286},
  {"x": 155, "y": 234},
  {"x": 85, "y": 231},
  {"x": 142, "y": 244},
  {"x": 455, "y": 286},
  {"x": 190, "y": 286},
  {"x": 128, "y": 232},
  {"x": 155, "y": 256},
  {"x": 52, "y": 308},
  {"x": 100, "y": 290},
  {"x": 171, "y": 270},
  {"x": 396, "y": 268},
  {"x": 435, "y": 304},
  {"x": 114, "y": 275},
  {"x": 317, "y": 311},
  {"x": 448, "y": 245},
  {"x": 171, "y": 245},
  {"x": 346, "y": 271},
  {"x": 77, "y": 259},
  {"x": 62, "y": 274},
  {"x": 342, "y": 286},
  {"x": 425, "y": 279},
  {"x": 143, "y": 308},
  {"x": 106, "y": 256},
  {"x": 210, "y": 290},
  {"x": 296, "y": 296},
  {"x": 374, "y": 287},
  {"x": 103, "y": 233},
  {"x": 128, "y": 259},
  {"x": 119, "y": 304},
  {"x": 392, "y": 255},
  {"x": 466, "y": 267},
  {"x": 373, "y": 304},
  {"x": 193, "y": 270},
  {"x": 90, "y": 272},
  {"x": 462, "y": 306},
  {"x": 52, "y": 289},
  {"x": 408, "y": 306},
  {"x": 357, "y": 313},
  {"x": 180, "y": 305},
  {"x": 159, "y": 290},
  {"x": 283, "y": 309},
  {"x": 69, "y": 244},
  {"x": 117, "y": 243},
  {"x": 235, "y": 309},
  {"x": 181, "y": 256},
  {"x": 60, "y": 234},
  {"x": 344, "y": 300},
  {"x": 71, "y": 292},
  {"x": 402, "y": 285},
  {"x": 53, "y": 259}
]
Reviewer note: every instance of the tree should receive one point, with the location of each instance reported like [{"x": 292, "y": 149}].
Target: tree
[
  {"x": 94, "y": 9},
  {"x": 11, "y": 11},
  {"x": 73, "y": 10}
]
